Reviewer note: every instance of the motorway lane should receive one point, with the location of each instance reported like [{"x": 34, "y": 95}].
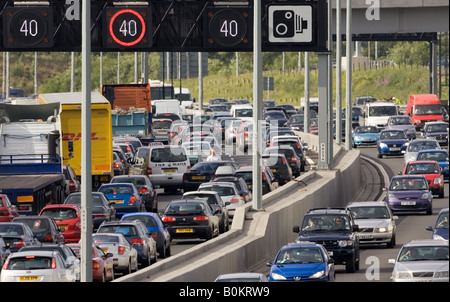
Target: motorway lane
[{"x": 374, "y": 266}]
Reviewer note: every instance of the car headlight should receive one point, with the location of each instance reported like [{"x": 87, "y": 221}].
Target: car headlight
[
  {"x": 295, "y": 128},
  {"x": 382, "y": 230},
  {"x": 321, "y": 273},
  {"x": 424, "y": 196},
  {"x": 437, "y": 181},
  {"x": 403, "y": 275},
  {"x": 276, "y": 276},
  {"x": 438, "y": 237},
  {"x": 344, "y": 243},
  {"x": 392, "y": 197},
  {"x": 441, "y": 274},
  {"x": 358, "y": 138},
  {"x": 383, "y": 145}
]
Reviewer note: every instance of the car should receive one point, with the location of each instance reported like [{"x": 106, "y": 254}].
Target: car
[
  {"x": 4, "y": 251},
  {"x": 156, "y": 228},
  {"x": 216, "y": 203},
  {"x": 280, "y": 167},
  {"x": 36, "y": 266},
  {"x": 402, "y": 122},
  {"x": 432, "y": 173},
  {"x": 197, "y": 151},
  {"x": 68, "y": 219},
  {"x": 102, "y": 263},
  {"x": 289, "y": 109},
  {"x": 16, "y": 235},
  {"x": 240, "y": 183},
  {"x": 70, "y": 176},
  {"x": 102, "y": 208},
  {"x": 69, "y": 256},
  {"x": 160, "y": 129},
  {"x": 145, "y": 187},
  {"x": 124, "y": 254},
  {"x": 423, "y": 260},
  {"x": 375, "y": 221},
  {"x": 123, "y": 159},
  {"x": 294, "y": 143},
  {"x": 246, "y": 172},
  {"x": 409, "y": 193},
  {"x": 134, "y": 141},
  {"x": 417, "y": 145},
  {"x": 302, "y": 261},
  {"x": 244, "y": 136},
  {"x": 336, "y": 230},
  {"x": 275, "y": 117},
  {"x": 291, "y": 156},
  {"x": 231, "y": 130},
  {"x": 136, "y": 233},
  {"x": 296, "y": 122},
  {"x": 228, "y": 192},
  {"x": 437, "y": 131},
  {"x": 44, "y": 228},
  {"x": 203, "y": 172},
  {"x": 125, "y": 196},
  {"x": 242, "y": 277},
  {"x": 440, "y": 230},
  {"x": 392, "y": 143},
  {"x": 189, "y": 218},
  {"x": 365, "y": 136},
  {"x": 119, "y": 167},
  {"x": 127, "y": 149},
  {"x": 438, "y": 155},
  {"x": 7, "y": 210}
]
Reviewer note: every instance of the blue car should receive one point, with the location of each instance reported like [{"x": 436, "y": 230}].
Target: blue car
[
  {"x": 156, "y": 228},
  {"x": 365, "y": 136},
  {"x": 125, "y": 196},
  {"x": 440, "y": 231},
  {"x": 302, "y": 261},
  {"x": 439, "y": 155},
  {"x": 392, "y": 143}
]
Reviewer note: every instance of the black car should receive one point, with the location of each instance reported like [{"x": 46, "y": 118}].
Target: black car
[
  {"x": 137, "y": 235},
  {"x": 291, "y": 156},
  {"x": 190, "y": 218},
  {"x": 44, "y": 228},
  {"x": 282, "y": 142},
  {"x": 246, "y": 172},
  {"x": 437, "y": 131},
  {"x": 279, "y": 166},
  {"x": 145, "y": 188},
  {"x": 296, "y": 122},
  {"x": 276, "y": 118},
  {"x": 216, "y": 203},
  {"x": 203, "y": 172},
  {"x": 16, "y": 235},
  {"x": 335, "y": 229},
  {"x": 102, "y": 208}
]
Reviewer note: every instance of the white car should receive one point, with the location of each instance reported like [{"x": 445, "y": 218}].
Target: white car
[
  {"x": 376, "y": 222},
  {"x": 125, "y": 255},
  {"x": 423, "y": 260},
  {"x": 36, "y": 266},
  {"x": 228, "y": 192},
  {"x": 417, "y": 145}
]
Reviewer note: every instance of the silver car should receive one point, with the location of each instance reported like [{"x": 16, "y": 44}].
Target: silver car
[
  {"x": 376, "y": 222},
  {"x": 228, "y": 192},
  {"x": 125, "y": 255},
  {"x": 36, "y": 266},
  {"x": 423, "y": 260},
  {"x": 417, "y": 145}
]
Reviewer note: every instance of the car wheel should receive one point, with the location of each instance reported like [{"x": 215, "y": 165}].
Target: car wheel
[
  {"x": 441, "y": 193},
  {"x": 392, "y": 243},
  {"x": 127, "y": 271},
  {"x": 350, "y": 266},
  {"x": 379, "y": 155},
  {"x": 168, "y": 251}
]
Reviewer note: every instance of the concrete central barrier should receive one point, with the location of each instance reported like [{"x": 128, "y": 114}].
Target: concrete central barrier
[{"x": 256, "y": 236}]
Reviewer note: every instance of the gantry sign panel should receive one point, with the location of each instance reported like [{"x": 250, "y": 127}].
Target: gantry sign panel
[{"x": 163, "y": 25}]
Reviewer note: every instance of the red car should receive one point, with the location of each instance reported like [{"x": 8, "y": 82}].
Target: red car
[
  {"x": 7, "y": 210},
  {"x": 102, "y": 264},
  {"x": 68, "y": 219},
  {"x": 431, "y": 171}
]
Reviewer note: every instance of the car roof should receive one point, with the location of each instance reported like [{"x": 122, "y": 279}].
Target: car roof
[
  {"x": 427, "y": 242},
  {"x": 34, "y": 253},
  {"x": 433, "y": 150},
  {"x": 301, "y": 244},
  {"x": 218, "y": 184},
  {"x": 422, "y": 162},
  {"x": 327, "y": 211},
  {"x": 59, "y": 206},
  {"x": 200, "y": 192}
]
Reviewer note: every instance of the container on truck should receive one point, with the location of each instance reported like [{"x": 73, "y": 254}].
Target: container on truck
[
  {"x": 30, "y": 156},
  {"x": 101, "y": 136}
]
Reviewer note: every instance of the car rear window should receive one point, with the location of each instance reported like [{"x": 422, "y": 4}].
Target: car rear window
[
  {"x": 60, "y": 214},
  {"x": 105, "y": 239},
  {"x": 223, "y": 191},
  {"x": 162, "y": 125},
  {"x": 36, "y": 225},
  {"x": 126, "y": 230},
  {"x": 29, "y": 263},
  {"x": 116, "y": 189},
  {"x": 185, "y": 208},
  {"x": 422, "y": 168},
  {"x": 148, "y": 221},
  {"x": 10, "y": 230},
  {"x": 170, "y": 155}
]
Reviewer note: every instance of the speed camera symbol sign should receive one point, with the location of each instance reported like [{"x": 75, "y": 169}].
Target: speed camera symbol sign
[{"x": 290, "y": 24}]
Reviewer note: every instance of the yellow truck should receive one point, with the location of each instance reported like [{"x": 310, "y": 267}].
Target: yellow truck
[{"x": 101, "y": 137}]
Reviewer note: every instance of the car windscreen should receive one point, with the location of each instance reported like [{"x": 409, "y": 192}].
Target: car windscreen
[
  {"x": 406, "y": 184},
  {"x": 393, "y": 135},
  {"x": 435, "y": 156},
  {"x": 370, "y": 212},
  {"x": 299, "y": 255}
]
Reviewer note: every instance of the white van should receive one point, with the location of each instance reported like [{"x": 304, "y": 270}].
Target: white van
[
  {"x": 164, "y": 165},
  {"x": 377, "y": 114},
  {"x": 242, "y": 111},
  {"x": 167, "y": 106},
  {"x": 185, "y": 97}
]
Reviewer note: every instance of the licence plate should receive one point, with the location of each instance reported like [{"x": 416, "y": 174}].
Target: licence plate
[
  {"x": 408, "y": 203},
  {"x": 198, "y": 177},
  {"x": 394, "y": 149},
  {"x": 169, "y": 170},
  {"x": 62, "y": 226},
  {"x": 29, "y": 278},
  {"x": 273, "y": 170},
  {"x": 105, "y": 250},
  {"x": 117, "y": 200},
  {"x": 365, "y": 236},
  {"x": 162, "y": 131},
  {"x": 184, "y": 231}
]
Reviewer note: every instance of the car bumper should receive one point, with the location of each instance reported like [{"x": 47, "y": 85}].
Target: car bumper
[
  {"x": 184, "y": 232},
  {"x": 419, "y": 205},
  {"x": 167, "y": 180},
  {"x": 71, "y": 237}
]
